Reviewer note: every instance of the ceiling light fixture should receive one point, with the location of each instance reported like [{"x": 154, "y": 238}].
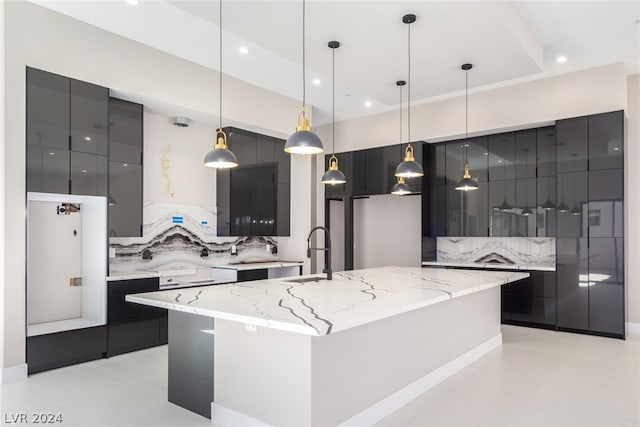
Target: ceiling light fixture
[
  {"x": 561, "y": 59},
  {"x": 400, "y": 188},
  {"x": 243, "y": 50},
  {"x": 409, "y": 168},
  {"x": 303, "y": 141},
  {"x": 368, "y": 104},
  {"x": 133, "y": 2},
  {"x": 333, "y": 175},
  {"x": 220, "y": 157},
  {"x": 466, "y": 183},
  {"x": 317, "y": 81}
]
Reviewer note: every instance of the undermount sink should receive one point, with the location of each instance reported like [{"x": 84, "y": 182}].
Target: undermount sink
[{"x": 306, "y": 279}]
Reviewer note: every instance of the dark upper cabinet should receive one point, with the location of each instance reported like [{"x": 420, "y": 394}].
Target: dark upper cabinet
[
  {"x": 125, "y": 168},
  {"x": 476, "y": 152},
  {"x": 375, "y": 171},
  {"x": 572, "y": 192},
  {"x": 546, "y": 211},
  {"x": 466, "y": 212},
  {"x": 525, "y": 155},
  {"x": 47, "y": 109},
  {"x": 47, "y": 169},
  {"x": 125, "y": 131},
  {"x": 572, "y": 144},
  {"x": 89, "y": 106},
  {"x": 434, "y": 195},
  {"x": 391, "y": 158},
  {"x": 502, "y": 156},
  {"x": 546, "y": 152},
  {"x": 67, "y": 123},
  {"x": 88, "y": 174},
  {"x": 359, "y": 176},
  {"x": 606, "y": 140},
  {"x": 503, "y": 217},
  {"x": 254, "y": 198},
  {"x": 525, "y": 207}
]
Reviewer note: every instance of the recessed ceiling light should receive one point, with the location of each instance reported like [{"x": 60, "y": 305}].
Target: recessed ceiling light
[
  {"x": 316, "y": 82},
  {"x": 133, "y": 2},
  {"x": 368, "y": 104},
  {"x": 560, "y": 59},
  {"x": 243, "y": 50},
  {"x": 84, "y": 171},
  {"x": 87, "y": 138}
]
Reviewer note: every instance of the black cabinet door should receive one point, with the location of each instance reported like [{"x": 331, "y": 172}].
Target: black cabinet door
[
  {"x": 434, "y": 194},
  {"x": 572, "y": 190},
  {"x": 47, "y": 110},
  {"x": 546, "y": 151},
  {"x": 605, "y": 216},
  {"x": 119, "y": 310},
  {"x": 125, "y": 131},
  {"x": 125, "y": 199},
  {"x": 47, "y": 169},
  {"x": 88, "y": 174},
  {"x": 359, "y": 176},
  {"x": 525, "y": 208},
  {"x": 525, "y": 154},
  {"x": 572, "y": 271},
  {"x": 503, "y": 218},
  {"x": 533, "y": 300},
  {"x": 572, "y": 150},
  {"x": 606, "y": 285},
  {"x": 391, "y": 158},
  {"x": 547, "y": 203},
  {"x": 375, "y": 171},
  {"x": 244, "y": 146},
  {"x": 89, "y": 106},
  {"x": 502, "y": 156},
  {"x": 606, "y": 140},
  {"x": 253, "y": 200}
]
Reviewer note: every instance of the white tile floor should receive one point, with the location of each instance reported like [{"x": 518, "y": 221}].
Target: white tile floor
[{"x": 536, "y": 378}]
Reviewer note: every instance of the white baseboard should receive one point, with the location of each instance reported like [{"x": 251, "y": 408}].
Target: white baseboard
[
  {"x": 397, "y": 400},
  {"x": 13, "y": 374},
  {"x": 223, "y": 416},
  {"x": 633, "y": 328}
]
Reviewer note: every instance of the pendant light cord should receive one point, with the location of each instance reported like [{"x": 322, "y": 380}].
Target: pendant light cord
[
  {"x": 333, "y": 101},
  {"x": 466, "y": 116},
  {"x": 400, "y": 114},
  {"x": 220, "y": 70},
  {"x": 304, "y": 82},
  {"x": 409, "y": 87}
]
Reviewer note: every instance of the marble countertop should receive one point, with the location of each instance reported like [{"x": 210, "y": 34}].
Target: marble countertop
[
  {"x": 320, "y": 307},
  {"x": 130, "y": 275},
  {"x": 539, "y": 267},
  {"x": 258, "y": 265}
]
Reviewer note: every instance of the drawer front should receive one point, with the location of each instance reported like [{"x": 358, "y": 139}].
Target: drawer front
[{"x": 119, "y": 310}]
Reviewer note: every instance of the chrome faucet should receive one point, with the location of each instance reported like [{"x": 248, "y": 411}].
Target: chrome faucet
[{"x": 326, "y": 250}]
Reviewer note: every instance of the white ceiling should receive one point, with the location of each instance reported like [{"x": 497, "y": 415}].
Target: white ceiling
[{"x": 506, "y": 41}]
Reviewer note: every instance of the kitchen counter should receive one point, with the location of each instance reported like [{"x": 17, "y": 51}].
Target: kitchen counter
[
  {"x": 131, "y": 275},
  {"x": 243, "y": 266},
  {"x": 322, "y": 307},
  {"x": 537, "y": 267},
  {"x": 307, "y": 351}
]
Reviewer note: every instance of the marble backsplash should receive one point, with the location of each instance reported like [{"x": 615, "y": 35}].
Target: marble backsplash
[
  {"x": 177, "y": 236},
  {"x": 522, "y": 251}
]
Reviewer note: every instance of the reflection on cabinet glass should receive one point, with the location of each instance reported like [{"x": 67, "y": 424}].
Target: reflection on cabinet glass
[
  {"x": 89, "y": 115},
  {"x": 466, "y": 212},
  {"x": 88, "y": 174},
  {"x": 253, "y": 200},
  {"x": 572, "y": 191},
  {"x": 125, "y": 203},
  {"x": 572, "y": 144},
  {"x": 477, "y": 157},
  {"x": 47, "y": 109},
  {"x": 572, "y": 271},
  {"x": 525, "y": 155},
  {"x": 47, "y": 169},
  {"x": 503, "y": 219},
  {"x": 525, "y": 207},
  {"x": 606, "y": 285},
  {"x": 531, "y": 300},
  {"x": 502, "y": 156},
  {"x": 546, "y": 151},
  {"x": 606, "y": 140},
  {"x": 125, "y": 131},
  {"x": 546, "y": 211}
]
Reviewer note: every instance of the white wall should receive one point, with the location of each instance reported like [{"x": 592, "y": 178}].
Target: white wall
[
  {"x": 387, "y": 231},
  {"x": 2, "y": 236},
  {"x": 44, "y": 39},
  {"x": 632, "y": 199}
]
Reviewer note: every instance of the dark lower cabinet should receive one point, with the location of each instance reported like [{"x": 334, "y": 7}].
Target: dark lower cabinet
[
  {"x": 531, "y": 301},
  {"x": 133, "y": 326},
  {"x": 50, "y": 351}
]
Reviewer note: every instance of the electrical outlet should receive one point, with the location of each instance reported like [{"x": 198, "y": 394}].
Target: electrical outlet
[
  {"x": 268, "y": 248},
  {"x": 112, "y": 252},
  {"x": 234, "y": 249}
]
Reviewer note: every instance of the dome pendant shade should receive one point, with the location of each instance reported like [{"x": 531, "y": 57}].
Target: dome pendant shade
[
  {"x": 111, "y": 200},
  {"x": 333, "y": 175},
  {"x": 575, "y": 211},
  {"x": 548, "y": 205},
  {"x": 526, "y": 211},
  {"x": 400, "y": 188},
  {"x": 303, "y": 141},
  {"x": 467, "y": 183},
  {"x": 220, "y": 157},
  {"x": 505, "y": 206},
  {"x": 409, "y": 168}
]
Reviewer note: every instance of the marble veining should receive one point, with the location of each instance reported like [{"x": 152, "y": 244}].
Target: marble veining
[
  {"x": 179, "y": 236},
  {"x": 523, "y": 252},
  {"x": 321, "y": 307}
]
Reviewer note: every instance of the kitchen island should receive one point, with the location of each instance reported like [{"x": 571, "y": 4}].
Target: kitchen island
[{"x": 308, "y": 351}]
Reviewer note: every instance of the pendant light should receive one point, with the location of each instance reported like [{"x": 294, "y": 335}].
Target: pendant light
[
  {"x": 220, "y": 157},
  {"x": 400, "y": 188},
  {"x": 466, "y": 183},
  {"x": 409, "y": 168},
  {"x": 526, "y": 211},
  {"x": 562, "y": 207},
  {"x": 575, "y": 210},
  {"x": 333, "y": 175},
  {"x": 303, "y": 141}
]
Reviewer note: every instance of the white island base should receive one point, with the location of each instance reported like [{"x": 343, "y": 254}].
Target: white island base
[
  {"x": 356, "y": 376},
  {"x": 313, "y": 352}
]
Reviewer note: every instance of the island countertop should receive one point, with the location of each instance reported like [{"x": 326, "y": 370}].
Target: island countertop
[{"x": 312, "y": 305}]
